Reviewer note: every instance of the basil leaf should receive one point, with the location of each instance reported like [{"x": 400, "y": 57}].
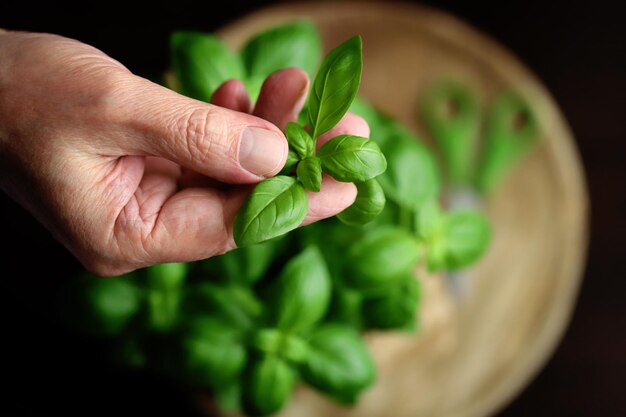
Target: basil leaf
[
  {"x": 299, "y": 140},
  {"x": 234, "y": 304},
  {"x": 335, "y": 86},
  {"x": 290, "y": 164},
  {"x": 292, "y": 45},
  {"x": 429, "y": 220},
  {"x": 369, "y": 203},
  {"x": 383, "y": 256},
  {"x": 253, "y": 86},
  {"x": 214, "y": 354},
  {"x": 276, "y": 206},
  {"x": 396, "y": 308},
  {"x": 309, "y": 173},
  {"x": 107, "y": 305},
  {"x": 303, "y": 291},
  {"x": 229, "y": 397},
  {"x": 201, "y": 63},
  {"x": 350, "y": 158},
  {"x": 338, "y": 363},
  {"x": 248, "y": 264},
  {"x": 167, "y": 276},
  {"x": 467, "y": 236},
  {"x": 346, "y": 307},
  {"x": 267, "y": 385},
  {"x": 288, "y": 346},
  {"x": 412, "y": 177}
]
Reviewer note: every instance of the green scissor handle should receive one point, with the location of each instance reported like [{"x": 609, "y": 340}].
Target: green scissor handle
[
  {"x": 511, "y": 130},
  {"x": 450, "y": 112}
]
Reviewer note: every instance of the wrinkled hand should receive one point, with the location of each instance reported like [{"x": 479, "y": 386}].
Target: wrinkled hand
[{"x": 126, "y": 173}]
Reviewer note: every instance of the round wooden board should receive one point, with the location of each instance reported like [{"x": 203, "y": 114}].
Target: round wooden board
[{"x": 471, "y": 357}]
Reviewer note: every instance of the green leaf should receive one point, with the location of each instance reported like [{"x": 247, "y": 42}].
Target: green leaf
[
  {"x": 201, "y": 63},
  {"x": 235, "y": 304},
  {"x": 167, "y": 276},
  {"x": 335, "y": 86},
  {"x": 292, "y": 45},
  {"x": 276, "y": 206},
  {"x": 229, "y": 397},
  {"x": 213, "y": 352},
  {"x": 309, "y": 173},
  {"x": 369, "y": 203},
  {"x": 267, "y": 385},
  {"x": 253, "y": 86},
  {"x": 467, "y": 236},
  {"x": 287, "y": 346},
  {"x": 412, "y": 177},
  {"x": 383, "y": 256},
  {"x": 350, "y": 158},
  {"x": 338, "y": 363},
  {"x": 299, "y": 140},
  {"x": 248, "y": 264},
  {"x": 346, "y": 307},
  {"x": 290, "y": 164},
  {"x": 429, "y": 220},
  {"x": 111, "y": 303},
  {"x": 303, "y": 292},
  {"x": 396, "y": 308}
]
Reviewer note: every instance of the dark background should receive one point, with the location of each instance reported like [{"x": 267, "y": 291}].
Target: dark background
[{"x": 577, "y": 50}]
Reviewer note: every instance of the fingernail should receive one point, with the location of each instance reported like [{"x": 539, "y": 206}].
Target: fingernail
[{"x": 261, "y": 151}]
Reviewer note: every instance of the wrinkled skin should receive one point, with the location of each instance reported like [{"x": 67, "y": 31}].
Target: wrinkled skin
[{"x": 126, "y": 173}]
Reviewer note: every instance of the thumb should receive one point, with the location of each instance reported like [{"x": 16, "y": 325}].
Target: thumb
[{"x": 226, "y": 145}]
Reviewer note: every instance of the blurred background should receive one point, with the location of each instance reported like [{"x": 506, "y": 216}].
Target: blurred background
[{"x": 577, "y": 50}]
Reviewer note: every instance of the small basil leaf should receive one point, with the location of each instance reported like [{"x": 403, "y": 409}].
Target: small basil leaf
[
  {"x": 167, "y": 276},
  {"x": 201, "y": 63},
  {"x": 234, "y": 304},
  {"x": 267, "y": 385},
  {"x": 429, "y": 220},
  {"x": 467, "y": 236},
  {"x": 338, "y": 363},
  {"x": 276, "y": 206},
  {"x": 164, "y": 294},
  {"x": 288, "y": 346},
  {"x": 107, "y": 305},
  {"x": 335, "y": 86},
  {"x": 381, "y": 258},
  {"x": 346, "y": 307},
  {"x": 299, "y": 140},
  {"x": 412, "y": 178},
  {"x": 369, "y": 203},
  {"x": 290, "y": 164},
  {"x": 303, "y": 291},
  {"x": 248, "y": 264},
  {"x": 213, "y": 352},
  {"x": 309, "y": 172},
  {"x": 350, "y": 158},
  {"x": 229, "y": 397},
  {"x": 396, "y": 308},
  {"x": 292, "y": 45}
]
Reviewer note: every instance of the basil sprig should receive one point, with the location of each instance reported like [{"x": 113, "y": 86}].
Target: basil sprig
[{"x": 278, "y": 205}]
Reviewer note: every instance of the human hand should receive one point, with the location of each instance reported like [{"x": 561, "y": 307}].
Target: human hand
[{"x": 126, "y": 173}]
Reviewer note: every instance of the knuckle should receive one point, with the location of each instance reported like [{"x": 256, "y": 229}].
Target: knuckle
[{"x": 204, "y": 134}]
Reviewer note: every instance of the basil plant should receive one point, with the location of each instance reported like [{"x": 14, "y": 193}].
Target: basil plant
[{"x": 290, "y": 305}]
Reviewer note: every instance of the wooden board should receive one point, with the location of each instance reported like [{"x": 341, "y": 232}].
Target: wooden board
[{"x": 473, "y": 356}]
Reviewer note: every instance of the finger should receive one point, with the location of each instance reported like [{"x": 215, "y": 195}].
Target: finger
[
  {"x": 350, "y": 124},
  {"x": 226, "y": 145},
  {"x": 232, "y": 95},
  {"x": 333, "y": 198},
  {"x": 193, "y": 224},
  {"x": 282, "y": 96}
]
